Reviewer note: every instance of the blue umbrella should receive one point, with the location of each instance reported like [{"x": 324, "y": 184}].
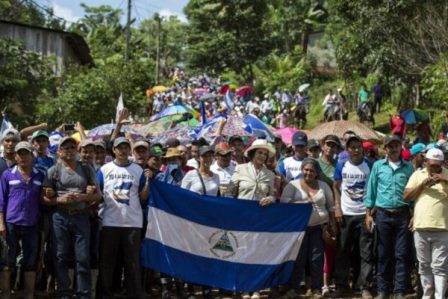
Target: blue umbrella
[
  {"x": 173, "y": 110},
  {"x": 259, "y": 129},
  {"x": 412, "y": 116}
]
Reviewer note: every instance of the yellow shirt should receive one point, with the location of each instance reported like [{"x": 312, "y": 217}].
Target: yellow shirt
[{"x": 431, "y": 206}]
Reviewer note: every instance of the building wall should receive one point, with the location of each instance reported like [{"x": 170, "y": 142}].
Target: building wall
[{"x": 41, "y": 41}]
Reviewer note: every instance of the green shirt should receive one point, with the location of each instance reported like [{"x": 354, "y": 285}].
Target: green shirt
[
  {"x": 363, "y": 96},
  {"x": 327, "y": 171},
  {"x": 386, "y": 186}
]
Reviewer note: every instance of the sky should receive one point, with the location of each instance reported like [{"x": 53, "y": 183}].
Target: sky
[{"x": 141, "y": 9}]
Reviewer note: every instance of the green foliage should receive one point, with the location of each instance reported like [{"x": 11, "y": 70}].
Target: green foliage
[
  {"x": 226, "y": 34},
  {"x": 23, "y": 76},
  {"x": 435, "y": 84},
  {"x": 278, "y": 73},
  {"x": 91, "y": 95}
]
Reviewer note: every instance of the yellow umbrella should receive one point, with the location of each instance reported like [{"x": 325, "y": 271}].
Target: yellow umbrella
[
  {"x": 159, "y": 88},
  {"x": 77, "y": 137}
]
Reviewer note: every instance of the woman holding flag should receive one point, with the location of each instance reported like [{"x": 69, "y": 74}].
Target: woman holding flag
[{"x": 253, "y": 181}]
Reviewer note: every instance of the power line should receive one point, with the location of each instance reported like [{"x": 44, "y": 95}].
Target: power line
[{"x": 45, "y": 10}]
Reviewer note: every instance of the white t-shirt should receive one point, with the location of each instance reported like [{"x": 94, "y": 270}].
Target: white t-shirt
[
  {"x": 121, "y": 186},
  {"x": 225, "y": 176},
  {"x": 193, "y": 163},
  {"x": 354, "y": 180},
  {"x": 291, "y": 168},
  {"x": 192, "y": 182}
]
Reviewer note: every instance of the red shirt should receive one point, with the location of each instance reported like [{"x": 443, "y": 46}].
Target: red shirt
[{"x": 398, "y": 126}]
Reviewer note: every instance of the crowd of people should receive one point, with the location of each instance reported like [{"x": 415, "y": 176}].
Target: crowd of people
[
  {"x": 69, "y": 206},
  {"x": 73, "y": 213}
]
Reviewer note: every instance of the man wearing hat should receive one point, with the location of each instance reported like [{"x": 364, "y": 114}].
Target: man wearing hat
[
  {"x": 172, "y": 173},
  {"x": 100, "y": 154},
  {"x": 40, "y": 141},
  {"x": 387, "y": 208},
  {"x": 71, "y": 187},
  {"x": 418, "y": 155},
  {"x": 237, "y": 145},
  {"x": 140, "y": 153},
  {"x": 355, "y": 240},
  {"x": 87, "y": 153},
  {"x": 20, "y": 192},
  {"x": 10, "y": 138},
  {"x": 327, "y": 162},
  {"x": 125, "y": 187},
  {"x": 314, "y": 149},
  {"x": 428, "y": 187},
  {"x": 290, "y": 167},
  {"x": 224, "y": 167}
]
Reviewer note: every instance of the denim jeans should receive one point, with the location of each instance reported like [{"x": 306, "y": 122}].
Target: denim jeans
[
  {"x": 29, "y": 236},
  {"x": 394, "y": 246},
  {"x": 112, "y": 239},
  {"x": 71, "y": 236},
  {"x": 355, "y": 245},
  {"x": 311, "y": 253}
]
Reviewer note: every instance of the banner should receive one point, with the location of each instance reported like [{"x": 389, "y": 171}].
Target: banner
[{"x": 222, "y": 242}]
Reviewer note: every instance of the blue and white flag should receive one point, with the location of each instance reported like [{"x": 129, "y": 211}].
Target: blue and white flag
[
  {"x": 228, "y": 99},
  {"x": 222, "y": 242},
  {"x": 6, "y": 124}
]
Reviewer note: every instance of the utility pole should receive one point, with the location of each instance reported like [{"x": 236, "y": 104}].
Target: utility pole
[
  {"x": 128, "y": 31},
  {"x": 159, "y": 20}
]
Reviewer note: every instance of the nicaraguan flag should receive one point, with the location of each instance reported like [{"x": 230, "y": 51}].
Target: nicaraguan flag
[
  {"x": 222, "y": 242},
  {"x": 6, "y": 124},
  {"x": 228, "y": 99}
]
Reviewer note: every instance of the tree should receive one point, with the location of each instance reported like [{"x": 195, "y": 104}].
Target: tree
[
  {"x": 24, "y": 75},
  {"x": 90, "y": 94},
  {"x": 226, "y": 34}
]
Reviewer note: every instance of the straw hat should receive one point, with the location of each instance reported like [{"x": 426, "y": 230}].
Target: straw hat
[
  {"x": 172, "y": 152},
  {"x": 261, "y": 143}
]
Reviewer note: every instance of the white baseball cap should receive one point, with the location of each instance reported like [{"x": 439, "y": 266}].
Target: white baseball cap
[{"x": 435, "y": 154}]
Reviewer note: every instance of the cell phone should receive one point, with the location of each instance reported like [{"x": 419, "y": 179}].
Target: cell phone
[{"x": 69, "y": 127}]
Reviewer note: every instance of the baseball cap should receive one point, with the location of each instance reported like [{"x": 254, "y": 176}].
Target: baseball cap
[
  {"x": 156, "y": 151},
  {"x": 369, "y": 146},
  {"x": 353, "y": 137},
  {"x": 121, "y": 140},
  {"x": 39, "y": 133},
  {"x": 11, "y": 131},
  {"x": 417, "y": 148},
  {"x": 222, "y": 149},
  {"x": 435, "y": 154},
  {"x": 299, "y": 138},
  {"x": 234, "y": 138},
  {"x": 313, "y": 143},
  {"x": 101, "y": 143},
  {"x": 389, "y": 139},
  {"x": 65, "y": 139},
  {"x": 172, "y": 142},
  {"x": 332, "y": 138},
  {"x": 86, "y": 142},
  {"x": 431, "y": 146},
  {"x": 205, "y": 149},
  {"x": 23, "y": 145},
  {"x": 141, "y": 143}
]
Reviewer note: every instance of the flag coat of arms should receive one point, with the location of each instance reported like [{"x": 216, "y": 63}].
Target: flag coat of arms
[{"x": 222, "y": 242}]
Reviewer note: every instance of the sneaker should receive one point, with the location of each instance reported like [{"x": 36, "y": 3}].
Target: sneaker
[
  {"x": 325, "y": 291},
  {"x": 245, "y": 295},
  {"x": 365, "y": 294},
  {"x": 291, "y": 294},
  {"x": 316, "y": 294},
  {"x": 399, "y": 296},
  {"x": 255, "y": 295},
  {"x": 382, "y": 295}
]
